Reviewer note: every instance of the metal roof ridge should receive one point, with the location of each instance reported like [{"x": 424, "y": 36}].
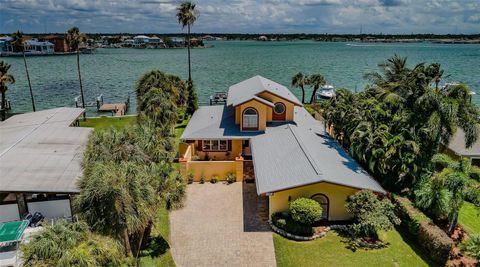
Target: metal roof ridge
[{"x": 305, "y": 151}]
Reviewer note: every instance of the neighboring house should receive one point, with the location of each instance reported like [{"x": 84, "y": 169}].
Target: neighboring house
[
  {"x": 40, "y": 162},
  {"x": 263, "y": 133},
  {"x": 457, "y": 148},
  {"x": 59, "y": 42}
]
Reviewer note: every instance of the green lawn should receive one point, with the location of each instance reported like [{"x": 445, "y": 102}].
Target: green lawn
[
  {"x": 332, "y": 250},
  {"x": 104, "y": 122},
  {"x": 158, "y": 251},
  {"x": 470, "y": 218}
]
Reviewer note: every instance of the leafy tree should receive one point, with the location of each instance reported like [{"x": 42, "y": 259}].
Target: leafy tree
[
  {"x": 74, "y": 38},
  {"x": 315, "y": 80},
  {"x": 398, "y": 123},
  {"x": 5, "y": 79},
  {"x": 299, "y": 81},
  {"x": 19, "y": 44},
  {"x": 305, "y": 210},
  {"x": 187, "y": 14},
  {"x": 192, "y": 100},
  {"x": 370, "y": 215},
  {"x": 71, "y": 244}
]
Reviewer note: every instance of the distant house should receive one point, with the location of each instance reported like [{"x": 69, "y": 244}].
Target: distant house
[
  {"x": 40, "y": 155},
  {"x": 145, "y": 41},
  {"x": 59, "y": 42},
  {"x": 457, "y": 148},
  {"x": 263, "y": 134},
  {"x": 178, "y": 41},
  {"x": 6, "y": 45}
]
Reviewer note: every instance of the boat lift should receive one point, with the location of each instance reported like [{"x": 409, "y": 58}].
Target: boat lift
[{"x": 218, "y": 98}]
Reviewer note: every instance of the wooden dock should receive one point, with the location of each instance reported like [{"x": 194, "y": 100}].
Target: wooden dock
[{"x": 119, "y": 109}]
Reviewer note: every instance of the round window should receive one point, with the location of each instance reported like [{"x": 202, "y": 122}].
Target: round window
[{"x": 279, "y": 108}]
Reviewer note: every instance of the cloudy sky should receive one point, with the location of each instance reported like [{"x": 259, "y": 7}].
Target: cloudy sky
[{"x": 245, "y": 16}]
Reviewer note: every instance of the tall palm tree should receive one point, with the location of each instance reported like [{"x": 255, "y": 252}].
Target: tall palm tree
[
  {"x": 5, "y": 78},
  {"x": 298, "y": 81},
  {"x": 315, "y": 80},
  {"x": 186, "y": 16},
  {"x": 74, "y": 39},
  {"x": 19, "y": 43}
]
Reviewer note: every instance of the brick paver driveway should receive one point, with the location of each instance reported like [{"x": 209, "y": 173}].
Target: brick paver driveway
[{"x": 222, "y": 225}]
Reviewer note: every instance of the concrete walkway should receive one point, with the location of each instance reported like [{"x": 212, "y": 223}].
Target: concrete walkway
[{"x": 222, "y": 225}]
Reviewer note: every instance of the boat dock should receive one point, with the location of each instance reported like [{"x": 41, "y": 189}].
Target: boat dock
[
  {"x": 218, "y": 98},
  {"x": 117, "y": 109}
]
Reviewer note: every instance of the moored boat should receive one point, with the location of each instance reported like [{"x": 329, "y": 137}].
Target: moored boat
[{"x": 326, "y": 92}]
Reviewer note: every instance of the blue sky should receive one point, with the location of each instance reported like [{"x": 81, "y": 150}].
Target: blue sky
[{"x": 245, "y": 16}]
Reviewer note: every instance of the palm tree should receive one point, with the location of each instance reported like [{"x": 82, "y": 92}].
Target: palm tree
[
  {"x": 118, "y": 200},
  {"x": 298, "y": 81},
  {"x": 315, "y": 80},
  {"x": 5, "y": 78},
  {"x": 186, "y": 16},
  {"x": 71, "y": 244},
  {"x": 20, "y": 44},
  {"x": 74, "y": 38}
]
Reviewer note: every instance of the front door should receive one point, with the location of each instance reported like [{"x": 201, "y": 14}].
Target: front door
[{"x": 279, "y": 112}]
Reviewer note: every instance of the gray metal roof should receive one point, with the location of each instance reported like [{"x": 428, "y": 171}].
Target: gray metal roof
[
  {"x": 457, "y": 145},
  {"x": 39, "y": 152},
  {"x": 295, "y": 154},
  {"x": 248, "y": 89},
  {"x": 214, "y": 122}
]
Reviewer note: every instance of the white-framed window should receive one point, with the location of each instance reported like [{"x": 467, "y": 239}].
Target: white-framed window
[
  {"x": 215, "y": 145},
  {"x": 250, "y": 118}
]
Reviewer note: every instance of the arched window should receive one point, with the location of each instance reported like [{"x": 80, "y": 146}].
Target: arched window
[
  {"x": 324, "y": 203},
  {"x": 250, "y": 119}
]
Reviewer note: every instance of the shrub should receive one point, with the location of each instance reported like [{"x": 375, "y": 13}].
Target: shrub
[
  {"x": 202, "y": 178},
  {"x": 286, "y": 223},
  {"x": 370, "y": 214},
  {"x": 305, "y": 210},
  {"x": 429, "y": 236},
  {"x": 231, "y": 177},
  {"x": 190, "y": 177},
  {"x": 475, "y": 173},
  {"x": 472, "y": 192},
  {"x": 471, "y": 247},
  {"x": 435, "y": 241},
  {"x": 214, "y": 179}
]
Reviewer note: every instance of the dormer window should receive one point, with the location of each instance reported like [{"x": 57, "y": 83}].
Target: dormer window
[{"x": 250, "y": 119}]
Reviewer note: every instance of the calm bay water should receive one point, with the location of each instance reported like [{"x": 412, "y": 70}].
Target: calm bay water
[{"x": 113, "y": 72}]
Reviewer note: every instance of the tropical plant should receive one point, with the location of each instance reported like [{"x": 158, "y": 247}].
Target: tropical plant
[
  {"x": 19, "y": 43},
  {"x": 316, "y": 81},
  {"x": 214, "y": 179},
  {"x": 370, "y": 214},
  {"x": 299, "y": 81},
  {"x": 187, "y": 14},
  {"x": 71, "y": 244},
  {"x": 398, "y": 123},
  {"x": 447, "y": 189},
  {"x": 192, "y": 99},
  {"x": 231, "y": 177},
  {"x": 472, "y": 246},
  {"x": 117, "y": 200},
  {"x": 305, "y": 211},
  {"x": 5, "y": 79},
  {"x": 74, "y": 38}
]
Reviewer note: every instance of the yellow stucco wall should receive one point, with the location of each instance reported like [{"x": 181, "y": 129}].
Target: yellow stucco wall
[
  {"x": 234, "y": 151},
  {"x": 336, "y": 194},
  {"x": 261, "y": 109},
  {"x": 210, "y": 168},
  {"x": 275, "y": 99}
]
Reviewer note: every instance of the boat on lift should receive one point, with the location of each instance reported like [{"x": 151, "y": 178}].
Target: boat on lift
[{"x": 326, "y": 92}]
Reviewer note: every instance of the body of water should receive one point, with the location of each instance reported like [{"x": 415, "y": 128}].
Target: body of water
[{"x": 114, "y": 72}]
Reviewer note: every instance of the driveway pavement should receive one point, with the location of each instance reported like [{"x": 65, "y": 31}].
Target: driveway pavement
[{"x": 222, "y": 225}]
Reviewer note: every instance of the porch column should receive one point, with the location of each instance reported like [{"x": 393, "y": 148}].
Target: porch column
[
  {"x": 239, "y": 168},
  {"x": 183, "y": 166},
  {"x": 22, "y": 205}
]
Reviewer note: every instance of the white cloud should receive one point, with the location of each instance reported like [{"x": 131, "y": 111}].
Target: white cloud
[{"x": 332, "y": 16}]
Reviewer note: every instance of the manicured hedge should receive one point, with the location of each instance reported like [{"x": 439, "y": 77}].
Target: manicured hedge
[
  {"x": 429, "y": 236},
  {"x": 286, "y": 223},
  {"x": 305, "y": 210}
]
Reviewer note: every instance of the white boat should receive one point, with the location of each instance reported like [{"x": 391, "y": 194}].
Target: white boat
[{"x": 326, "y": 92}]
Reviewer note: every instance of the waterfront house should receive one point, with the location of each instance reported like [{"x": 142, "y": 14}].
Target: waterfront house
[
  {"x": 59, "y": 42},
  {"x": 40, "y": 155},
  {"x": 264, "y": 135},
  {"x": 178, "y": 41},
  {"x": 6, "y": 46},
  {"x": 457, "y": 148}
]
